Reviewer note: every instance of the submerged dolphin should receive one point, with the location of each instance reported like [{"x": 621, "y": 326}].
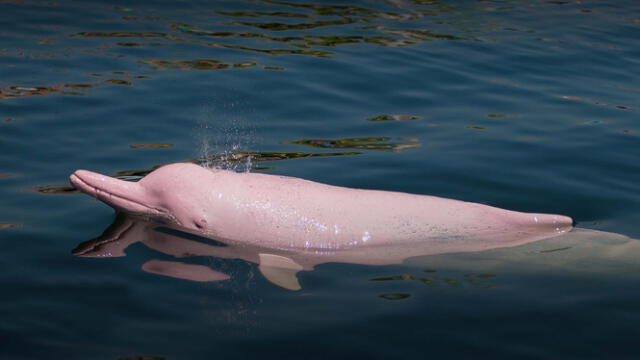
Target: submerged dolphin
[{"x": 288, "y": 213}]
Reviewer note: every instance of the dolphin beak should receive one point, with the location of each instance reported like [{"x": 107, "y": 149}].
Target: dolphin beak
[{"x": 120, "y": 195}]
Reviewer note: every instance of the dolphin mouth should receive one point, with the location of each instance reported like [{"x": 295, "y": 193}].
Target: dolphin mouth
[{"x": 119, "y": 194}]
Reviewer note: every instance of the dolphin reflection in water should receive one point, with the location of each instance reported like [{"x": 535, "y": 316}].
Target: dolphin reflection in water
[{"x": 281, "y": 266}]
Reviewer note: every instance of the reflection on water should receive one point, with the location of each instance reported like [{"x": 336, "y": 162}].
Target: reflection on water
[
  {"x": 125, "y": 34},
  {"x": 262, "y": 14},
  {"x": 232, "y": 159},
  {"x": 195, "y": 64},
  {"x": 370, "y": 143},
  {"x": 597, "y": 102},
  {"x": 75, "y": 89},
  {"x": 305, "y": 41},
  {"x": 150, "y": 146},
  {"x": 184, "y": 271},
  {"x": 349, "y": 25},
  {"x": 387, "y": 117},
  {"x": 475, "y": 127},
  {"x": 9, "y": 225},
  {"x": 275, "y": 26},
  {"x": 396, "y": 296},
  {"x": 475, "y": 280},
  {"x": 281, "y": 266},
  {"x": 119, "y": 82},
  {"x": 24, "y": 91},
  {"x": 143, "y": 18},
  {"x": 56, "y": 190}
]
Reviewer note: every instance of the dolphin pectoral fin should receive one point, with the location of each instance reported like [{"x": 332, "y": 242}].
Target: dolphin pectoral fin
[
  {"x": 183, "y": 271},
  {"x": 280, "y": 271}
]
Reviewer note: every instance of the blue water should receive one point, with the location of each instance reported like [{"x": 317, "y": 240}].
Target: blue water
[{"x": 524, "y": 105}]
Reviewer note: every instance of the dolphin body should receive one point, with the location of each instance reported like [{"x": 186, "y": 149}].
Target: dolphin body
[{"x": 282, "y": 212}]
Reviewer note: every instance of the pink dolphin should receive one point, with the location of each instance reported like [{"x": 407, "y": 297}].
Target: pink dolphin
[{"x": 289, "y": 213}]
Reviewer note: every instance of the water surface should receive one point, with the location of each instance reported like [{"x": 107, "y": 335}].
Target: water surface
[{"x": 524, "y": 105}]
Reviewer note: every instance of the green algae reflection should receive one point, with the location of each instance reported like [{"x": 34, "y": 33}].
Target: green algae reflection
[
  {"x": 12, "y": 92},
  {"x": 395, "y": 296},
  {"x": 368, "y": 143},
  {"x": 297, "y": 28},
  {"x": 74, "y": 89},
  {"x": 467, "y": 280},
  {"x": 123, "y": 34},
  {"x": 276, "y": 26},
  {"x": 203, "y": 64},
  {"x": 257, "y": 14},
  {"x": 231, "y": 160},
  {"x": 4, "y": 225},
  {"x": 304, "y": 41},
  {"x": 150, "y": 146},
  {"x": 358, "y": 13},
  {"x": 395, "y": 118}
]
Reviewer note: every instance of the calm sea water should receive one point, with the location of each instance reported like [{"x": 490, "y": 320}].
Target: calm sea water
[{"x": 525, "y": 105}]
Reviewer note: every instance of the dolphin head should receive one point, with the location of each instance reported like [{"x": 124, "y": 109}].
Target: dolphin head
[{"x": 173, "y": 193}]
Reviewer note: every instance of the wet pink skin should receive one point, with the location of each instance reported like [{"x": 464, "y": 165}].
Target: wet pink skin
[{"x": 284, "y": 212}]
